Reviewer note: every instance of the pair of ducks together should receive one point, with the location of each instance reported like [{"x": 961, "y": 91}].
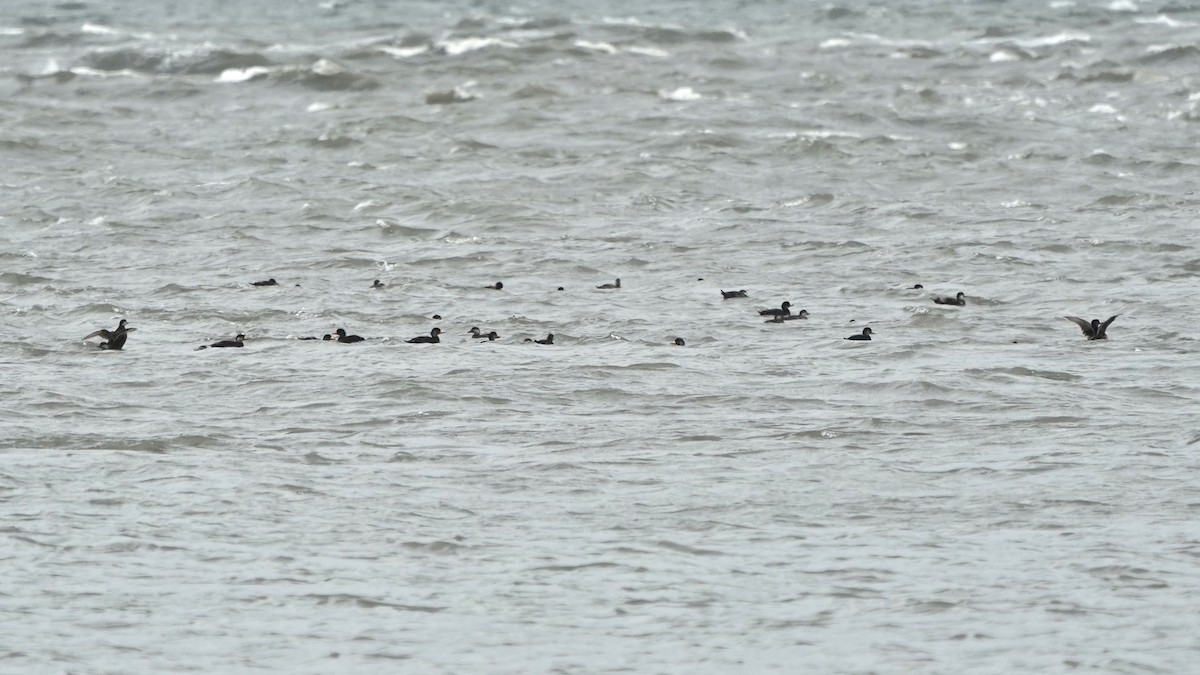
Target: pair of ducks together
[{"x": 1094, "y": 330}]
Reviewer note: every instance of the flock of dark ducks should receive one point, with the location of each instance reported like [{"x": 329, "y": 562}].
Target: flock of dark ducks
[{"x": 115, "y": 339}]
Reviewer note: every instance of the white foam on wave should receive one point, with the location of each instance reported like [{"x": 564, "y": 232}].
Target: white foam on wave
[
  {"x": 97, "y": 29},
  {"x": 597, "y": 46},
  {"x": 1003, "y": 56},
  {"x": 404, "y": 52},
  {"x": 649, "y": 51},
  {"x": 458, "y": 46},
  {"x": 318, "y": 106},
  {"x": 1123, "y": 6},
  {"x": 679, "y": 94},
  {"x": 235, "y": 75},
  {"x": 834, "y": 43},
  {"x": 105, "y": 74},
  {"x": 1163, "y": 20},
  {"x": 6, "y": 30}
]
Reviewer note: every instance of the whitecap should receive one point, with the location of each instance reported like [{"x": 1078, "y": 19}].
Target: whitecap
[
  {"x": 458, "y": 46},
  {"x": 97, "y": 29},
  {"x": 404, "y": 52},
  {"x": 235, "y": 75},
  {"x": 680, "y": 94},
  {"x": 648, "y": 51},
  {"x": 1003, "y": 56},
  {"x": 596, "y": 46}
]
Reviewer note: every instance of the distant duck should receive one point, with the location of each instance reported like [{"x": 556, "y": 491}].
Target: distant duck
[
  {"x": 679, "y": 342},
  {"x": 733, "y": 294},
  {"x": 782, "y": 311},
  {"x": 917, "y": 287},
  {"x": 865, "y": 335},
  {"x": 548, "y": 341},
  {"x": 346, "y": 339},
  {"x": 802, "y": 314},
  {"x": 616, "y": 284},
  {"x": 327, "y": 337},
  {"x": 235, "y": 342},
  {"x": 959, "y": 300},
  {"x": 268, "y": 282},
  {"x": 480, "y": 335},
  {"x": 1094, "y": 330},
  {"x": 498, "y": 286},
  {"x": 431, "y": 338},
  {"x": 561, "y": 288},
  {"x": 378, "y": 284}
]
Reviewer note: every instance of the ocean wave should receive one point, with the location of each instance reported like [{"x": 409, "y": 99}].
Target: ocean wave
[{"x": 200, "y": 61}]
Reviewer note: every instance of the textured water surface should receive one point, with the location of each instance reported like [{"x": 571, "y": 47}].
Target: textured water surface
[{"x": 977, "y": 489}]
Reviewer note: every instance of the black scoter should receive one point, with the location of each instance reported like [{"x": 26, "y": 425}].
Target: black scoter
[
  {"x": 268, "y": 282},
  {"x": 110, "y": 334},
  {"x": 616, "y": 284},
  {"x": 733, "y": 294},
  {"x": 1094, "y": 330},
  {"x": 782, "y": 311},
  {"x": 235, "y": 342},
  {"x": 342, "y": 337},
  {"x": 431, "y": 338},
  {"x": 959, "y": 300},
  {"x": 865, "y": 335}
]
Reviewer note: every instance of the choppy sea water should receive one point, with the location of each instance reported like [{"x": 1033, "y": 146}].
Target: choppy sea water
[{"x": 978, "y": 489}]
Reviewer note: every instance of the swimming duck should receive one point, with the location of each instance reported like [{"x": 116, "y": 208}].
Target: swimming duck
[
  {"x": 733, "y": 294},
  {"x": 378, "y": 284},
  {"x": 268, "y": 282},
  {"x": 498, "y": 286},
  {"x": 782, "y": 311},
  {"x": 431, "y": 338},
  {"x": 478, "y": 334},
  {"x": 959, "y": 300},
  {"x": 235, "y": 342},
  {"x": 865, "y": 335},
  {"x": 679, "y": 342},
  {"x": 548, "y": 341},
  {"x": 802, "y": 314},
  {"x": 616, "y": 284},
  {"x": 342, "y": 337},
  {"x": 1094, "y": 330}
]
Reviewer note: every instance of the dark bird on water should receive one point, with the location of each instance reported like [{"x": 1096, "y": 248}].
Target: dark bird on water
[
  {"x": 548, "y": 341},
  {"x": 498, "y": 286},
  {"x": 235, "y": 342},
  {"x": 959, "y": 300},
  {"x": 1094, "y": 330},
  {"x": 865, "y": 335},
  {"x": 616, "y": 284},
  {"x": 342, "y": 337},
  {"x": 431, "y": 338},
  {"x": 917, "y": 286},
  {"x": 480, "y": 335},
  {"x": 782, "y": 311},
  {"x": 802, "y": 314},
  {"x": 116, "y": 342},
  {"x": 110, "y": 334},
  {"x": 378, "y": 284},
  {"x": 733, "y": 294},
  {"x": 679, "y": 342},
  {"x": 268, "y": 282}
]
